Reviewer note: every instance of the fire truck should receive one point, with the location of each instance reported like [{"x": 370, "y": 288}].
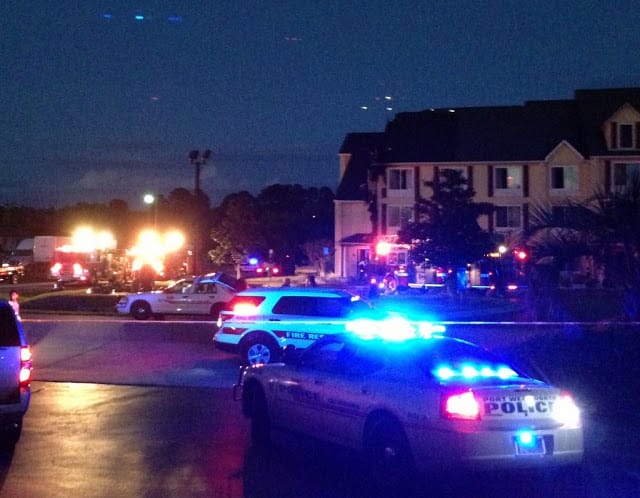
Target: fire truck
[
  {"x": 393, "y": 269},
  {"x": 72, "y": 266},
  {"x": 88, "y": 258}
]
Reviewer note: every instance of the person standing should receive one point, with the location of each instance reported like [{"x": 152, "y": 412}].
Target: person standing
[{"x": 13, "y": 301}]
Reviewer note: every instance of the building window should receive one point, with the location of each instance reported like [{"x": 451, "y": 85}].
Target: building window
[
  {"x": 623, "y": 135},
  {"x": 623, "y": 173},
  {"x": 399, "y": 216},
  {"x": 507, "y": 180},
  {"x": 564, "y": 178},
  {"x": 400, "y": 179},
  {"x": 626, "y": 136},
  {"x": 508, "y": 216}
]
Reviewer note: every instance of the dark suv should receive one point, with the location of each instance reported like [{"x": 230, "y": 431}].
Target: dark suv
[{"x": 15, "y": 374}]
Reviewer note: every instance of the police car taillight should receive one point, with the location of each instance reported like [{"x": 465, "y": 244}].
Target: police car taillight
[
  {"x": 567, "y": 412},
  {"x": 461, "y": 406}
]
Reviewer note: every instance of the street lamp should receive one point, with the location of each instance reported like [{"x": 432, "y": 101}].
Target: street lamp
[
  {"x": 198, "y": 160},
  {"x": 150, "y": 199}
]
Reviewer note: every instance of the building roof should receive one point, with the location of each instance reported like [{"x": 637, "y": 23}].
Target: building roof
[
  {"x": 363, "y": 148},
  {"x": 527, "y": 132}
]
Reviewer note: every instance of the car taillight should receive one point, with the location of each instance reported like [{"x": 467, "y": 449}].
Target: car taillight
[
  {"x": 25, "y": 365},
  {"x": 567, "y": 412},
  {"x": 56, "y": 268},
  {"x": 245, "y": 309},
  {"x": 462, "y": 406}
]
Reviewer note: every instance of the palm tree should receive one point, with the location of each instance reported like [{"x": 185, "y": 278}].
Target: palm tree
[{"x": 605, "y": 227}]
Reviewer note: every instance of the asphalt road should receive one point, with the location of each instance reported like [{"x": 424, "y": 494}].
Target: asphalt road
[{"x": 123, "y": 408}]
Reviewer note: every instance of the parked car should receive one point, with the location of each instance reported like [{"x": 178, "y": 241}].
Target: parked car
[
  {"x": 11, "y": 273},
  {"x": 15, "y": 374},
  {"x": 426, "y": 404},
  {"x": 259, "y": 322},
  {"x": 204, "y": 295}
]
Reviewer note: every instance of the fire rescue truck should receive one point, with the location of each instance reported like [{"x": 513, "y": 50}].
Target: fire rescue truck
[
  {"x": 89, "y": 258},
  {"x": 393, "y": 269}
]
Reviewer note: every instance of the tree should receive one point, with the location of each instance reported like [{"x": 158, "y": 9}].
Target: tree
[
  {"x": 606, "y": 227},
  {"x": 447, "y": 231},
  {"x": 236, "y": 230},
  {"x": 293, "y": 216}
]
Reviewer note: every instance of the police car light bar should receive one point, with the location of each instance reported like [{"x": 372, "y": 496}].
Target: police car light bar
[{"x": 396, "y": 329}]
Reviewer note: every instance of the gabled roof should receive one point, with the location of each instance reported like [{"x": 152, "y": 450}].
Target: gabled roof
[
  {"x": 529, "y": 132},
  {"x": 505, "y": 133},
  {"x": 470, "y": 134},
  {"x": 594, "y": 107},
  {"x": 363, "y": 148}
]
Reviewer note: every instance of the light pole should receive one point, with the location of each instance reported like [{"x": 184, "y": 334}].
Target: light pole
[
  {"x": 149, "y": 199},
  {"x": 198, "y": 160}
]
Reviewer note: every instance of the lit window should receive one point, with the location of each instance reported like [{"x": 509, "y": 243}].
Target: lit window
[
  {"x": 508, "y": 217},
  {"x": 508, "y": 179}
]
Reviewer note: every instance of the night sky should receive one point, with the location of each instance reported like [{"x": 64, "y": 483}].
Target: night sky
[{"x": 96, "y": 104}]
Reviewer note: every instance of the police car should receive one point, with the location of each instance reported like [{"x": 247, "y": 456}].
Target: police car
[
  {"x": 424, "y": 403},
  {"x": 258, "y": 323},
  {"x": 203, "y": 295}
]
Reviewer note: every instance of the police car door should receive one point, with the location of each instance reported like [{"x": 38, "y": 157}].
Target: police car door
[
  {"x": 346, "y": 393},
  {"x": 200, "y": 299},
  {"x": 299, "y": 406}
]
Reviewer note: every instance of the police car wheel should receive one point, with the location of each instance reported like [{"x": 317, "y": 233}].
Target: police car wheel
[
  {"x": 387, "y": 451},
  {"x": 140, "y": 310},
  {"x": 254, "y": 405},
  {"x": 260, "y": 348}
]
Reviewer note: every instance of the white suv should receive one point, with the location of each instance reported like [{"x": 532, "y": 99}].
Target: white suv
[
  {"x": 15, "y": 375},
  {"x": 258, "y": 323}
]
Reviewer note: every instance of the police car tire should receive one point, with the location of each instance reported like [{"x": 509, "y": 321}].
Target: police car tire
[
  {"x": 141, "y": 310},
  {"x": 259, "y": 344},
  {"x": 254, "y": 406},
  {"x": 387, "y": 451}
]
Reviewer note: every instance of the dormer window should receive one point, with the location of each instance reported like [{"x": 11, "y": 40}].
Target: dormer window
[{"x": 625, "y": 135}]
